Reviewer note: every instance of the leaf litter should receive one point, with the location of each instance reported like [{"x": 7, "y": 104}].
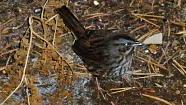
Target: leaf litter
[{"x": 37, "y": 65}]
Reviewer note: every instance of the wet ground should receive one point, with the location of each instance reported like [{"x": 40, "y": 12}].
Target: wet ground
[{"x": 38, "y": 66}]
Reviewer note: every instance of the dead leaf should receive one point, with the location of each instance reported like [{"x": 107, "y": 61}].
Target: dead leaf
[
  {"x": 154, "y": 39},
  {"x": 153, "y": 49}
]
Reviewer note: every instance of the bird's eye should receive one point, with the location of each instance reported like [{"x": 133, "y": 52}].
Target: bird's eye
[{"x": 128, "y": 44}]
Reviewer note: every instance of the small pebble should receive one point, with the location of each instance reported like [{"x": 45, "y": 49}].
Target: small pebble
[
  {"x": 184, "y": 85},
  {"x": 182, "y": 55},
  {"x": 38, "y": 10},
  {"x": 177, "y": 92},
  {"x": 146, "y": 51},
  {"x": 96, "y": 3}
]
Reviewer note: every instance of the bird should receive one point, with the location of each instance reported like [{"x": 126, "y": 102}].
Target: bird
[{"x": 105, "y": 53}]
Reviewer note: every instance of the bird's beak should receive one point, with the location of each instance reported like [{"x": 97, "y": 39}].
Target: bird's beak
[{"x": 137, "y": 44}]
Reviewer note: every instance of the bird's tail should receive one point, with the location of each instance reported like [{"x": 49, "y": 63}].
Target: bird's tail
[{"x": 71, "y": 21}]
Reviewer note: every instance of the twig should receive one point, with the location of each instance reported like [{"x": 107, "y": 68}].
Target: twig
[
  {"x": 140, "y": 17},
  {"x": 8, "y": 21},
  {"x": 3, "y": 68},
  {"x": 171, "y": 57},
  {"x": 119, "y": 10},
  {"x": 27, "y": 91},
  {"x": 157, "y": 98},
  {"x": 178, "y": 23},
  {"x": 95, "y": 15},
  {"x": 54, "y": 37},
  {"x": 8, "y": 60},
  {"x": 43, "y": 9},
  {"x": 146, "y": 15},
  {"x": 53, "y": 47},
  {"x": 10, "y": 51},
  {"x": 147, "y": 34},
  {"x": 26, "y": 62},
  {"x": 158, "y": 65},
  {"x": 180, "y": 69},
  {"x": 80, "y": 74},
  {"x": 131, "y": 3},
  {"x": 119, "y": 90},
  {"x": 138, "y": 28},
  {"x": 51, "y": 18},
  {"x": 149, "y": 76},
  {"x": 100, "y": 90},
  {"x": 164, "y": 52},
  {"x": 169, "y": 29},
  {"x": 179, "y": 3}
]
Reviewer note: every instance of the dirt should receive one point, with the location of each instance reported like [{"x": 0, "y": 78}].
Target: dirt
[{"x": 55, "y": 75}]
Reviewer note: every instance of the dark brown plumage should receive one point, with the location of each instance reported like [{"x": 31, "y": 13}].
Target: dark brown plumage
[{"x": 104, "y": 53}]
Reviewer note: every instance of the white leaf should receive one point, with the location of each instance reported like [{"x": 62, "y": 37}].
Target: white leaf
[{"x": 154, "y": 39}]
